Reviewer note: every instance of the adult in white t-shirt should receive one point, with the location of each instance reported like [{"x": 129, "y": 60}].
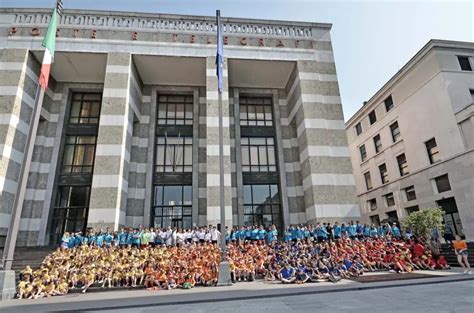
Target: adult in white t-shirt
[{"x": 215, "y": 234}]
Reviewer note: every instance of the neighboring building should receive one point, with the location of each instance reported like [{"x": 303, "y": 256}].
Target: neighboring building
[
  {"x": 412, "y": 142},
  {"x": 129, "y": 128}
]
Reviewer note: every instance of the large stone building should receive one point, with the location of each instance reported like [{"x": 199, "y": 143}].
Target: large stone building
[
  {"x": 412, "y": 142},
  {"x": 129, "y": 125}
]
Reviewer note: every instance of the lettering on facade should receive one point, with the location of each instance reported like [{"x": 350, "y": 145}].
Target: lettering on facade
[{"x": 177, "y": 30}]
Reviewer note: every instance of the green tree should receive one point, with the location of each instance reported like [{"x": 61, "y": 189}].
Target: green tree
[{"x": 424, "y": 221}]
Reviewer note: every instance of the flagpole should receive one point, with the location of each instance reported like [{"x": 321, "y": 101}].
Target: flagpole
[{"x": 224, "y": 278}]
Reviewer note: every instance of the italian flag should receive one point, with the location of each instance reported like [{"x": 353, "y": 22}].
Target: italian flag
[{"x": 49, "y": 42}]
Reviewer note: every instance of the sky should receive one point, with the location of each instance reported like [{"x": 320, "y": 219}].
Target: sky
[{"x": 371, "y": 40}]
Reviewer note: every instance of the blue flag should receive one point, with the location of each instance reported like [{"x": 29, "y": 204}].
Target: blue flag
[{"x": 219, "y": 54}]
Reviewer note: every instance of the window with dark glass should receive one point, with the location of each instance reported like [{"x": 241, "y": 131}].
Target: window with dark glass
[
  {"x": 85, "y": 108},
  {"x": 377, "y": 143},
  {"x": 442, "y": 183},
  {"x": 262, "y": 205},
  {"x": 388, "y": 103},
  {"x": 392, "y": 216},
  {"x": 72, "y": 194},
  {"x": 464, "y": 63},
  {"x": 368, "y": 181},
  {"x": 175, "y": 109},
  {"x": 358, "y": 129},
  {"x": 433, "y": 151},
  {"x": 79, "y": 153},
  {"x": 389, "y": 199},
  {"x": 172, "y": 206},
  {"x": 383, "y": 173},
  {"x": 363, "y": 153},
  {"x": 174, "y": 154},
  {"x": 372, "y": 204},
  {"x": 70, "y": 210},
  {"x": 372, "y": 117},
  {"x": 256, "y": 111},
  {"x": 402, "y": 164},
  {"x": 258, "y": 154},
  {"x": 412, "y": 209},
  {"x": 395, "y": 130},
  {"x": 410, "y": 193},
  {"x": 375, "y": 219}
]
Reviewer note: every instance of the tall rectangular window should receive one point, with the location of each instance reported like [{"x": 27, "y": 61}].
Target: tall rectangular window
[
  {"x": 363, "y": 153},
  {"x": 262, "y": 205},
  {"x": 383, "y": 173},
  {"x": 77, "y": 164},
  {"x": 388, "y": 103},
  {"x": 402, "y": 164},
  {"x": 256, "y": 111},
  {"x": 395, "y": 130},
  {"x": 410, "y": 193},
  {"x": 258, "y": 154},
  {"x": 372, "y": 203},
  {"x": 464, "y": 63},
  {"x": 85, "y": 108},
  {"x": 175, "y": 110},
  {"x": 368, "y": 180},
  {"x": 442, "y": 183},
  {"x": 372, "y": 117},
  {"x": 172, "y": 206},
  {"x": 358, "y": 129},
  {"x": 433, "y": 151},
  {"x": 389, "y": 199},
  {"x": 79, "y": 153},
  {"x": 377, "y": 143},
  {"x": 174, "y": 154}
]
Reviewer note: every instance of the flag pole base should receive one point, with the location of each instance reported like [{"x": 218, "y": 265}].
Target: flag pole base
[
  {"x": 7, "y": 285},
  {"x": 224, "y": 274}
]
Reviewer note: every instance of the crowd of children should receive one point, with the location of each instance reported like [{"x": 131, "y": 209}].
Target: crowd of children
[{"x": 172, "y": 258}]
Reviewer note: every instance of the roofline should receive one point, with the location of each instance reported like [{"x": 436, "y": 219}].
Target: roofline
[
  {"x": 175, "y": 16},
  {"x": 430, "y": 45}
]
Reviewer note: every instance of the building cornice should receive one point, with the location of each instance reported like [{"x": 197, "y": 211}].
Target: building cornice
[
  {"x": 420, "y": 55},
  {"x": 165, "y": 23}
]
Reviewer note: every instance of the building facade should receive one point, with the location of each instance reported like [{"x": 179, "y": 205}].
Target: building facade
[
  {"x": 412, "y": 142},
  {"x": 129, "y": 126}
]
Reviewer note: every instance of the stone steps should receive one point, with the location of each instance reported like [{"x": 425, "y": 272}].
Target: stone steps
[{"x": 451, "y": 258}]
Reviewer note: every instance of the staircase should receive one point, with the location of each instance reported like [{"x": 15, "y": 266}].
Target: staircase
[
  {"x": 32, "y": 256},
  {"x": 448, "y": 251}
]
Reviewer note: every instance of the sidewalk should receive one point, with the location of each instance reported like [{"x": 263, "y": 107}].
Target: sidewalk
[{"x": 108, "y": 300}]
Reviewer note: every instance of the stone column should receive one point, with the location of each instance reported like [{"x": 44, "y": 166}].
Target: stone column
[
  {"x": 107, "y": 206},
  {"x": 18, "y": 83},
  {"x": 212, "y": 146},
  {"x": 315, "y": 110}
]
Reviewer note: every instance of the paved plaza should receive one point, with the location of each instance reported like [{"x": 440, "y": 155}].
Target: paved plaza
[
  {"x": 447, "y": 297},
  {"x": 445, "y": 291}
]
